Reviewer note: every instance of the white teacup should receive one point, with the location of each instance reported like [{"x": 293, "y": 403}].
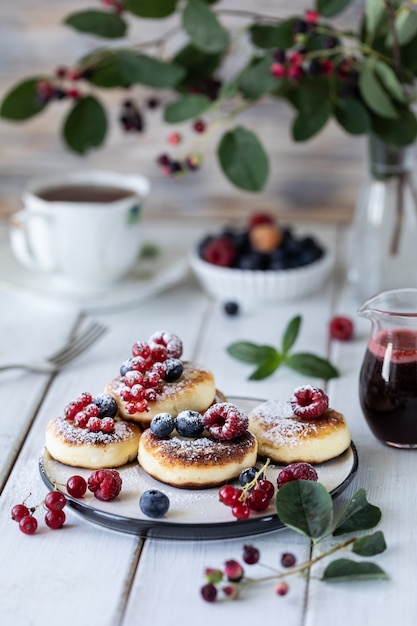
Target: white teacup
[{"x": 84, "y": 228}]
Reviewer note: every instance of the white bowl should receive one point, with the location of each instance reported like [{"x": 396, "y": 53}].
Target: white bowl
[{"x": 250, "y": 287}]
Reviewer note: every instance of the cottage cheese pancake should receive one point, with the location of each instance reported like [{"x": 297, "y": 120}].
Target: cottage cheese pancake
[
  {"x": 194, "y": 389},
  {"x": 196, "y": 463},
  {"x": 285, "y": 438},
  {"x": 79, "y": 447}
]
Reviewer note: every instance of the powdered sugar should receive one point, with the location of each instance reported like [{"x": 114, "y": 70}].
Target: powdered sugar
[
  {"x": 282, "y": 428},
  {"x": 74, "y": 435}
]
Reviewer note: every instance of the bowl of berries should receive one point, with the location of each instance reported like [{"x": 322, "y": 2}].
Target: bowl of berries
[{"x": 260, "y": 263}]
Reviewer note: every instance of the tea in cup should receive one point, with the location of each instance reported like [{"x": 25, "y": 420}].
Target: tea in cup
[{"x": 84, "y": 228}]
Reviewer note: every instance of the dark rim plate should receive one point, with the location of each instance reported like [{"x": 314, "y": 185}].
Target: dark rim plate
[{"x": 193, "y": 514}]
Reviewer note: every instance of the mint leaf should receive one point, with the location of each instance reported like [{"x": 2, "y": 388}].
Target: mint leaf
[
  {"x": 311, "y": 365},
  {"x": 251, "y": 352},
  {"x": 358, "y": 514},
  {"x": 267, "y": 367},
  {"x": 370, "y": 545},
  {"x": 305, "y": 506},
  {"x": 343, "y": 570},
  {"x": 291, "y": 333}
]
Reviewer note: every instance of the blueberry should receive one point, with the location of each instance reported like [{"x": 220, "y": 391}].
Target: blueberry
[
  {"x": 189, "y": 423},
  {"x": 231, "y": 308},
  {"x": 107, "y": 405},
  {"x": 125, "y": 367},
  {"x": 251, "y": 261},
  {"x": 154, "y": 503},
  {"x": 247, "y": 475},
  {"x": 162, "y": 424},
  {"x": 173, "y": 369}
]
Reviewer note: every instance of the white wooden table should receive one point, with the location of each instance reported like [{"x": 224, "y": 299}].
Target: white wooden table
[{"x": 86, "y": 574}]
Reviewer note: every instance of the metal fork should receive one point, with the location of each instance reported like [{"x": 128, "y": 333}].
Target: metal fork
[{"x": 75, "y": 346}]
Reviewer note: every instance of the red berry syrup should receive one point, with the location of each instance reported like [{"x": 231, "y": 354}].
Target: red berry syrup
[{"x": 388, "y": 387}]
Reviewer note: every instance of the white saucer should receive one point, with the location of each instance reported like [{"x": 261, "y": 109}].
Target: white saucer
[{"x": 149, "y": 277}]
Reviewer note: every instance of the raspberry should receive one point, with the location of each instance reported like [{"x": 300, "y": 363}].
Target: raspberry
[
  {"x": 296, "y": 471},
  {"x": 225, "y": 421},
  {"x": 260, "y": 218},
  {"x": 341, "y": 328},
  {"x": 220, "y": 251},
  {"x": 309, "y": 402},
  {"x": 106, "y": 484}
]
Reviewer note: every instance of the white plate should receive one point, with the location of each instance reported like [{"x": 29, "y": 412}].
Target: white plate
[
  {"x": 193, "y": 514},
  {"x": 149, "y": 277}
]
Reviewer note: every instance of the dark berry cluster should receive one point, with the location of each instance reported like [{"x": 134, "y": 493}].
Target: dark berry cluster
[
  {"x": 94, "y": 414},
  {"x": 152, "y": 363},
  {"x": 254, "y": 494},
  {"x": 175, "y": 167},
  {"x": 229, "y": 580},
  {"x": 47, "y": 90},
  {"x": 261, "y": 245}
]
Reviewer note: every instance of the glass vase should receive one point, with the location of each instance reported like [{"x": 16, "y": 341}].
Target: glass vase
[{"x": 383, "y": 252}]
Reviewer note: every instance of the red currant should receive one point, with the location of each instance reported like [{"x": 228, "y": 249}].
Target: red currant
[
  {"x": 140, "y": 348},
  {"x": 258, "y": 500},
  {"x": 241, "y": 511},
  {"x": 229, "y": 495},
  {"x": 55, "y": 501},
  {"x": 19, "y": 511},
  {"x": 267, "y": 486},
  {"x": 76, "y": 486},
  {"x": 55, "y": 519},
  {"x": 28, "y": 524}
]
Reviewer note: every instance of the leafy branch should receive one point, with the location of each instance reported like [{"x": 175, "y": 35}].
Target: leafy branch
[
  {"x": 306, "y": 507},
  {"x": 268, "y": 358}
]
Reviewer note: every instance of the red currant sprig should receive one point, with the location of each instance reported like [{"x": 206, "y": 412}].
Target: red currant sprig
[
  {"x": 255, "y": 495},
  {"x": 55, "y": 517}
]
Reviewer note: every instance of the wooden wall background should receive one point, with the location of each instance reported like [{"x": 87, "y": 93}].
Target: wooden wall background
[{"x": 316, "y": 179}]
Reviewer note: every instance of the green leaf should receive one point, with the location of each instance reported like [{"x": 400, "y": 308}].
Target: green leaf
[
  {"x": 311, "y": 365},
  {"x": 291, "y": 333},
  {"x": 203, "y": 27},
  {"x": 151, "y": 8},
  {"x": 197, "y": 63},
  {"x": 243, "y": 159},
  {"x": 307, "y": 124},
  {"x": 406, "y": 26},
  {"x": 390, "y": 81},
  {"x": 256, "y": 79},
  {"x": 186, "y": 108},
  {"x": 86, "y": 125},
  {"x": 374, "y": 11},
  {"x": 399, "y": 132},
  {"x": 343, "y": 570},
  {"x": 358, "y": 514},
  {"x": 251, "y": 352},
  {"x": 267, "y": 367},
  {"x": 370, "y": 545},
  {"x": 352, "y": 116},
  {"x": 373, "y": 93},
  {"x": 22, "y": 101},
  {"x": 122, "y": 68},
  {"x": 329, "y": 8},
  {"x": 278, "y": 36},
  {"x": 101, "y": 23},
  {"x": 305, "y": 506}
]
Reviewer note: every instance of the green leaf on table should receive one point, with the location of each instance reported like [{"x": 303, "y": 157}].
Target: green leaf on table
[
  {"x": 267, "y": 367},
  {"x": 101, "y": 23},
  {"x": 251, "y": 352},
  {"x": 352, "y": 116},
  {"x": 123, "y": 68},
  {"x": 390, "y": 81},
  {"x": 86, "y": 125},
  {"x": 291, "y": 333},
  {"x": 266, "y": 36},
  {"x": 151, "y": 8},
  {"x": 370, "y": 545},
  {"x": 186, "y": 108},
  {"x": 203, "y": 27},
  {"x": 342, "y": 570},
  {"x": 22, "y": 101},
  {"x": 358, "y": 514},
  {"x": 329, "y": 8},
  {"x": 256, "y": 79},
  {"x": 305, "y": 506},
  {"x": 399, "y": 132},
  {"x": 406, "y": 26},
  {"x": 374, "y": 11},
  {"x": 373, "y": 92},
  {"x": 311, "y": 365},
  {"x": 243, "y": 159},
  {"x": 308, "y": 123}
]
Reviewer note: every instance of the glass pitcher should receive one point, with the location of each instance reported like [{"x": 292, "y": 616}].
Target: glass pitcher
[{"x": 388, "y": 376}]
